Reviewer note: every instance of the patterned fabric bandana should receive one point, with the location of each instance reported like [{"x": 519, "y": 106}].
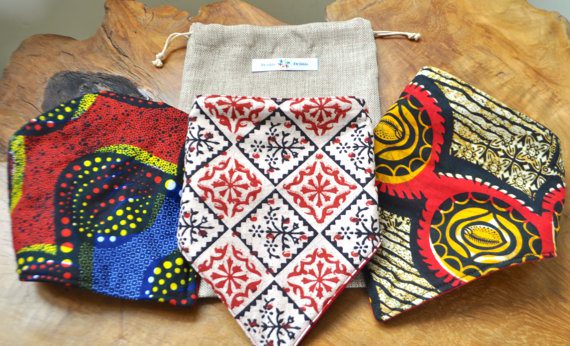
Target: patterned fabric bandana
[
  {"x": 278, "y": 207},
  {"x": 94, "y": 198},
  {"x": 346, "y": 53},
  {"x": 467, "y": 187}
]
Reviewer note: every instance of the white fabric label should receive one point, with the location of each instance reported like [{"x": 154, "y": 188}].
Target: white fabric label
[{"x": 284, "y": 64}]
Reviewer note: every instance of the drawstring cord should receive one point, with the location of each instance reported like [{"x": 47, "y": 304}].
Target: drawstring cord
[
  {"x": 159, "y": 57},
  {"x": 412, "y": 36},
  {"x": 158, "y": 61}
]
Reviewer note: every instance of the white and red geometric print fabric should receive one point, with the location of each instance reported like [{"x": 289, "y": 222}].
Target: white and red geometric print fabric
[{"x": 279, "y": 206}]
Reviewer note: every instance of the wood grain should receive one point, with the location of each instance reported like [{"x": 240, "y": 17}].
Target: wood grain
[
  {"x": 123, "y": 47},
  {"x": 507, "y": 48}
]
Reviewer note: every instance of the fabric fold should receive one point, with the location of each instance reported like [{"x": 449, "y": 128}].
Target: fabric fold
[
  {"x": 278, "y": 209},
  {"x": 467, "y": 186},
  {"x": 219, "y": 61},
  {"x": 94, "y": 198}
]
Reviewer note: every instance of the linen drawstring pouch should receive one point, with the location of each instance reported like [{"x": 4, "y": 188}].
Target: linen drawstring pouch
[
  {"x": 467, "y": 186},
  {"x": 278, "y": 210},
  {"x": 219, "y": 60},
  {"x": 94, "y": 198}
]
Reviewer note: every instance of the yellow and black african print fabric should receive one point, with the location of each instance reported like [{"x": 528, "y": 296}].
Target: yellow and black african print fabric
[{"x": 467, "y": 186}]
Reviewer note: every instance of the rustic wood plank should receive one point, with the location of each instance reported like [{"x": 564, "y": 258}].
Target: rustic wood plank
[{"x": 513, "y": 51}]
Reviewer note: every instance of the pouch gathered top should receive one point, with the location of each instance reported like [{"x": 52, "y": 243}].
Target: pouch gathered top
[{"x": 219, "y": 61}]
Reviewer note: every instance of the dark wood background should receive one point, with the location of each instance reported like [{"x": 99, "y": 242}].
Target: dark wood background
[{"x": 508, "y": 48}]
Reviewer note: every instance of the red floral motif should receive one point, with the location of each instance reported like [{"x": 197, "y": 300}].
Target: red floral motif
[
  {"x": 319, "y": 188},
  {"x": 235, "y": 112},
  {"x": 230, "y": 186},
  {"x": 317, "y": 277},
  {"x": 320, "y": 114},
  {"x": 231, "y": 274}
]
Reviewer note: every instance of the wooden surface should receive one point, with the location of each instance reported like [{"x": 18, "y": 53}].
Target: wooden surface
[{"x": 517, "y": 53}]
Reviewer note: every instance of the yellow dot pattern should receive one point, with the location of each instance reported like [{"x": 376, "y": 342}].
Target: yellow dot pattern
[
  {"x": 170, "y": 280},
  {"x": 123, "y": 219},
  {"x": 70, "y": 110},
  {"x": 43, "y": 266}
]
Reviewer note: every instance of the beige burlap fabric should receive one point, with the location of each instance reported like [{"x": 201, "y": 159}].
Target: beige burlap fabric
[{"x": 219, "y": 60}]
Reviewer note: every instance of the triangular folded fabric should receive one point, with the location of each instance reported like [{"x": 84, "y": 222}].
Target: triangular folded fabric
[
  {"x": 94, "y": 198},
  {"x": 467, "y": 186},
  {"x": 278, "y": 207}
]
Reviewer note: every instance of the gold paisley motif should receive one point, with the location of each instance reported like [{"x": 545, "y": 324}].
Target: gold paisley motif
[
  {"x": 472, "y": 237},
  {"x": 390, "y": 129},
  {"x": 482, "y": 236},
  {"x": 402, "y": 143}
]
